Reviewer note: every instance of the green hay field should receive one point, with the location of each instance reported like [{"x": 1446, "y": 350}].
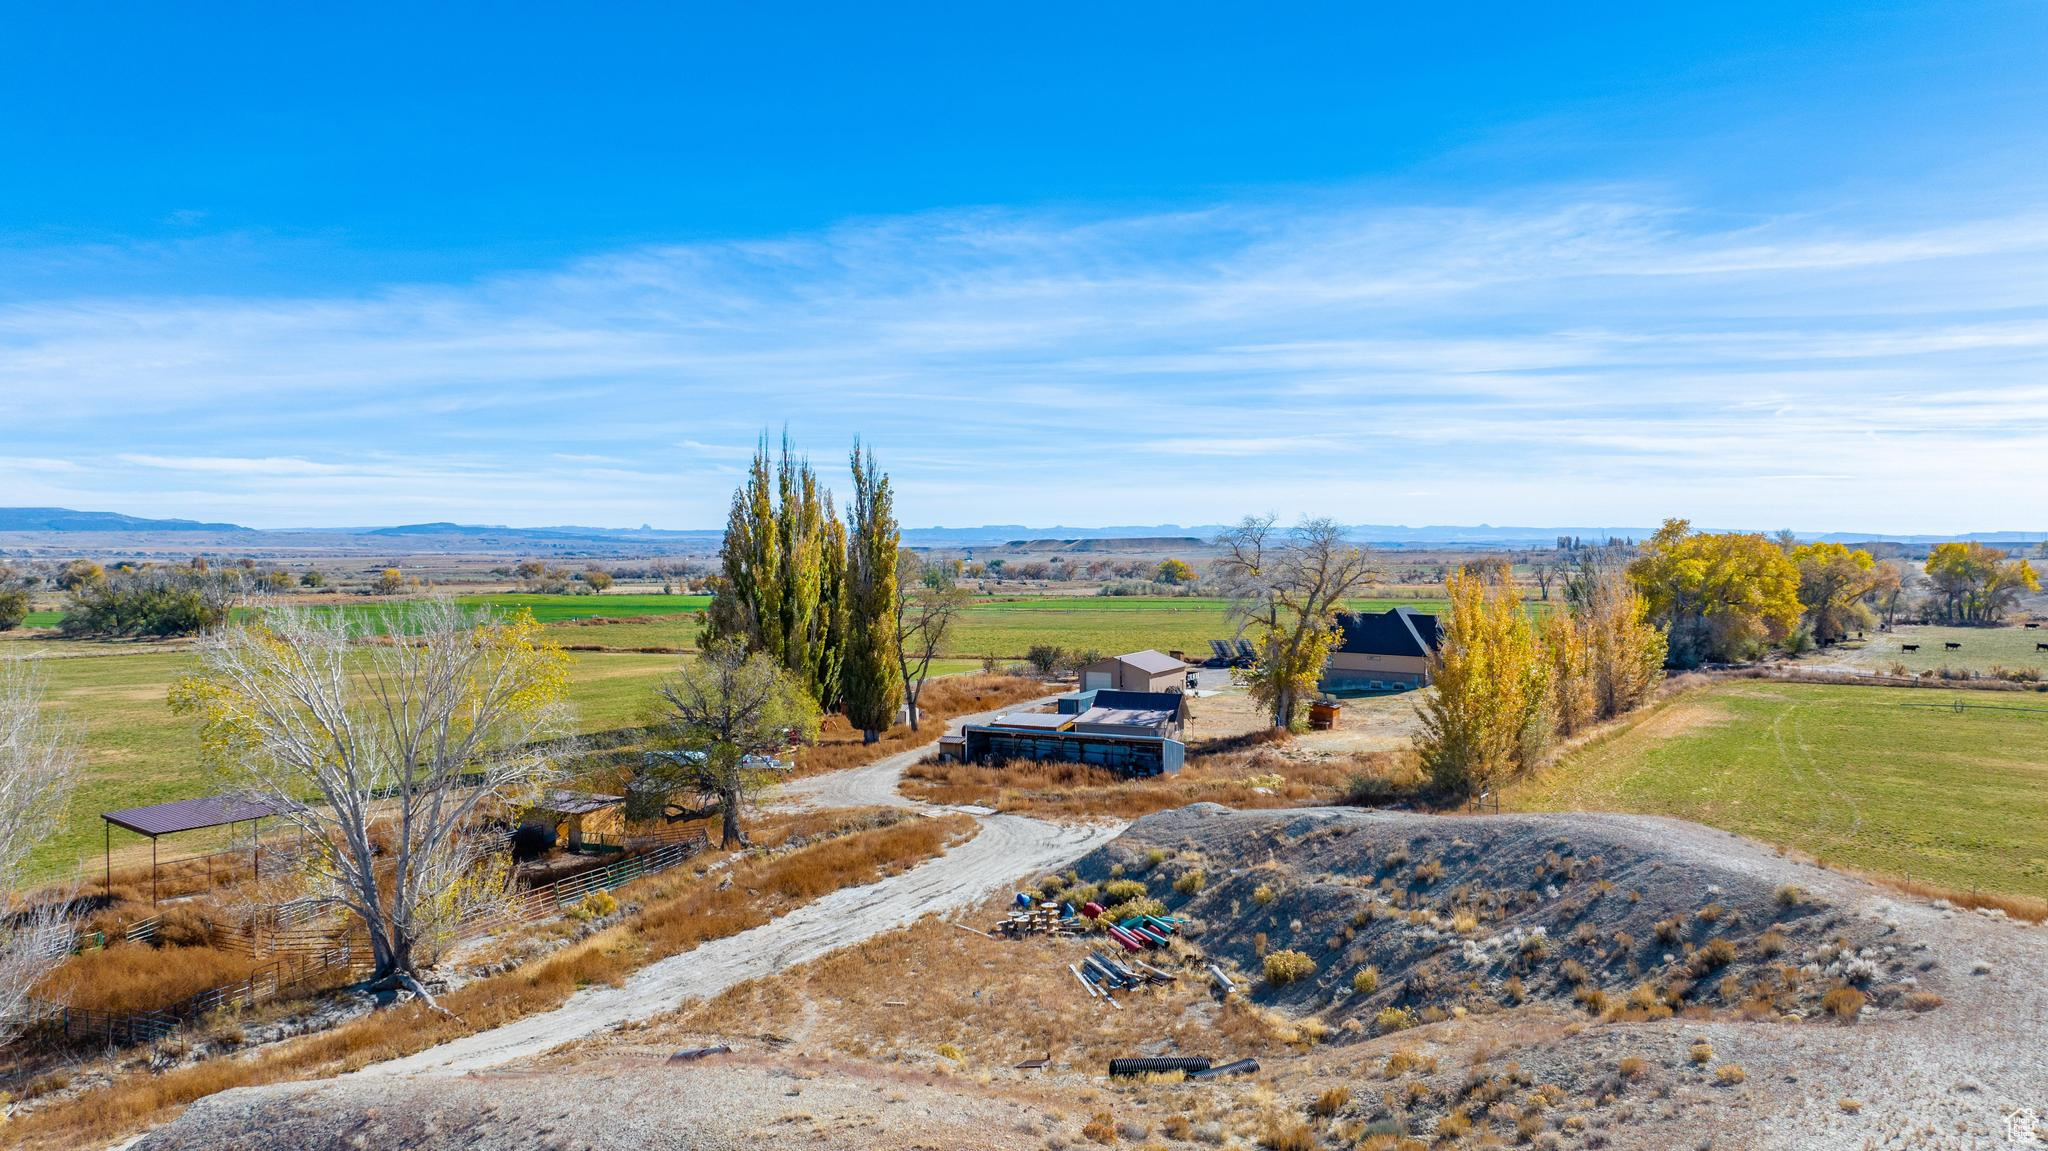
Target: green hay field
[
  {"x": 1887, "y": 780},
  {"x": 138, "y": 753},
  {"x": 1007, "y": 627}
]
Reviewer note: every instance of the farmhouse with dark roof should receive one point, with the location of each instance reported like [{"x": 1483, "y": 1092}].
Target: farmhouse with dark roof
[{"x": 1387, "y": 651}]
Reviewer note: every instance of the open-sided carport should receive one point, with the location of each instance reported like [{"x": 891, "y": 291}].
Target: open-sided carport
[{"x": 183, "y": 815}]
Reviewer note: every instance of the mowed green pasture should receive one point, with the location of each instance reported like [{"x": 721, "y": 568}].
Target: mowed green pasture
[
  {"x": 1887, "y": 780},
  {"x": 1983, "y": 648},
  {"x": 545, "y": 608},
  {"x": 1008, "y": 627},
  {"x": 138, "y": 753}
]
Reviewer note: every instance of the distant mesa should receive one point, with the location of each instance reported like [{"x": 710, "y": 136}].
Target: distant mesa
[{"x": 67, "y": 520}]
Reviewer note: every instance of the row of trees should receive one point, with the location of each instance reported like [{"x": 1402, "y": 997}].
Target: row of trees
[
  {"x": 1506, "y": 687},
  {"x": 816, "y": 594},
  {"x": 151, "y": 601},
  {"x": 809, "y": 613},
  {"x": 1729, "y": 597}
]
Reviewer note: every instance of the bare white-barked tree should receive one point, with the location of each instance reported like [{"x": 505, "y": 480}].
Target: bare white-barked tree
[
  {"x": 383, "y": 745},
  {"x": 38, "y": 768}
]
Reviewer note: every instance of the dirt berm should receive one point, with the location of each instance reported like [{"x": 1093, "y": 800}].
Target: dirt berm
[{"x": 1560, "y": 981}]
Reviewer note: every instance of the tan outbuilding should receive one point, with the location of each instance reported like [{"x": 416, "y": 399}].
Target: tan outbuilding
[{"x": 1146, "y": 670}]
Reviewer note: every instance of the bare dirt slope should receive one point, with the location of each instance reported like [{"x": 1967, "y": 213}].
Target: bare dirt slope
[
  {"x": 1627, "y": 1026},
  {"x": 724, "y": 1105}
]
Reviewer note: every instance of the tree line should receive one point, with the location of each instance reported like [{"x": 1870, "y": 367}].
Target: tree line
[
  {"x": 1730, "y": 597},
  {"x": 1506, "y": 687},
  {"x": 809, "y": 614}
]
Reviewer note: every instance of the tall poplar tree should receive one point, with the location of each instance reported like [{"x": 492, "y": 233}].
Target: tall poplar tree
[
  {"x": 870, "y": 676},
  {"x": 780, "y": 589}
]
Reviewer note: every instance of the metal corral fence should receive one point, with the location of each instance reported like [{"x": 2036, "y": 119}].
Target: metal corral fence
[
  {"x": 55, "y": 1024},
  {"x": 309, "y": 955},
  {"x": 549, "y": 901}
]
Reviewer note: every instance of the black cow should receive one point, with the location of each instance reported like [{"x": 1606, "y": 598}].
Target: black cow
[
  {"x": 2041, "y": 647},
  {"x": 1953, "y": 646},
  {"x": 1909, "y": 647}
]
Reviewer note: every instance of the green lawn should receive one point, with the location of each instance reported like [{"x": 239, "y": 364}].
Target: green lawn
[{"x": 1887, "y": 780}]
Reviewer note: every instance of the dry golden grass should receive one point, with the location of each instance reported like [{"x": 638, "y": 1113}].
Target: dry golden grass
[
  {"x": 839, "y": 745},
  {"x": 131, "y": 977},
  {"x": 2018, "y": 906},
  {"x": 679, "y": 910},
  {"x": 1257, "y": 775}
]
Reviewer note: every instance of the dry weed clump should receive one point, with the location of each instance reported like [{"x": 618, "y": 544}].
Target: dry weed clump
[
  {"x": 1729, "y": 1074},
  {"x": 1844, "y": 1003},
  {"x": 1285, "y": 967},
  {"x": 1392, "y": 1019},
  {"x": 1331, "y": 1101},
  {"x": 1287, "y": 1135}
]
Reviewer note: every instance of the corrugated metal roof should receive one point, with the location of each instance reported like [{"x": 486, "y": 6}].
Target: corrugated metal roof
[
  {"x": 189, "y": 814},
  {"x": 1033, "y": 719},
  {"x": 1153, "y": 662},
  {"x": 1125, "y": 717},
  {"x": 576, "y": 802}
]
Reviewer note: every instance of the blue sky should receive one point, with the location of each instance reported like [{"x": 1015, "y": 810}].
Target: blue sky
[{"x": 1760, "y": 265}]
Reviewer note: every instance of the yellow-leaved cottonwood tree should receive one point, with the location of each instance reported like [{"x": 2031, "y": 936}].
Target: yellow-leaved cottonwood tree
[
  {"x": 383, "y": 749},
  {"x": 1835, "y": 582},
  {"x": 1721, "y": 597},
  {"x": 1488, "y": 713}
]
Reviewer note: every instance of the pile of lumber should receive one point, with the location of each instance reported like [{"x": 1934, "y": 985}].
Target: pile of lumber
[{"x": 1029, "y": 918}]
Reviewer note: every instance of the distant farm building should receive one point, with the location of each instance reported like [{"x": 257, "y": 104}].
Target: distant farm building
[
  {"x": 1385, "y": 651},
  {"x": 1148, "y": 670}
]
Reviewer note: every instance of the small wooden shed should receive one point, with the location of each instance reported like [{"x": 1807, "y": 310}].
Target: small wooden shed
[{"x": 576, "y": 814}]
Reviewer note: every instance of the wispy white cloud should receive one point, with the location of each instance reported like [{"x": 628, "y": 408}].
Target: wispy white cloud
[{"x": 1590, "y": 357}]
